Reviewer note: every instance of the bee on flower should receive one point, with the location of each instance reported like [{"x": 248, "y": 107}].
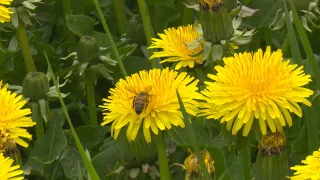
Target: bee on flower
[{"x": 148, "y": 100}]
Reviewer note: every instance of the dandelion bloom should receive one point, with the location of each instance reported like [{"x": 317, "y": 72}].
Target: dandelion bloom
[
  {"x": 257, "y": 86},
  {"x": 7, "y": 171},
  {"x": 173, "y": 42},
  {"x": 5, "y": 13},
  {"x": 13, "y": 118},
  {"x": 310, "y": 170},
  {"x": 160, "y": 109}
]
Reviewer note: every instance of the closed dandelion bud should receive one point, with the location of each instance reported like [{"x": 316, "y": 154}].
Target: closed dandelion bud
[
  {"x": 272, "y": 160},
  {"x": 192, "y": 166},
  {"x": 35, "y": 86},
  {"x": 215, "y": 20},
  {"x": 87, "y": 47},
  {"x": 137, "y": 152},
  {"x": 135, "y": 30}
]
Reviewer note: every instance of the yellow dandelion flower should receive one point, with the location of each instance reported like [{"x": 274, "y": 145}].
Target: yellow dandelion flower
[
  {"x": 310, "y": 170},
  {"x": 5, "y": 13},
  {"x": 9, "y": 172},
  {"x": 13, "y": 118},
  {"x": 173, "y": 42},
  {"x": 256, "y": 86},
  {"x": 149, "y": 99}
]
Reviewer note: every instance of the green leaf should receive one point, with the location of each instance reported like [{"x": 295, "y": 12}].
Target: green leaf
[
  {"x": 89, "y": 136},
  {"x": 48, "y": 148},
  {"x": 80, "y": 25},
  {"x": 292, "y": 38},
  {"x": 234, "y": 167},
  {"x": 106, "y": 160},
  {"x": 72, "y": 163},
  {"x": 220, "y": 164}
]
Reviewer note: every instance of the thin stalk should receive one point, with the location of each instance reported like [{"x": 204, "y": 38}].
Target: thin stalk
[
  {"x": 285, "y": 45},
  {"x": 25, "y": 48},
  {"x": 109, "y": 37},
  {"x": 193, "y": 138},
  {"x": 38, "y": 119},
  {"x": 162, "y": 156},
  {"x": 119, "y": 9},
  {"x": 148, "y": 30},
  {"x": 66, "y": 5},
  {"x": 91, "y": 98},
  {"x": 243, "y": 145},
  {"x": 91, "y": 171}
]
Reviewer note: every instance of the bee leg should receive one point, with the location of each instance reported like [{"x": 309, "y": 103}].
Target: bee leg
[{"x": 146, "y": 105}]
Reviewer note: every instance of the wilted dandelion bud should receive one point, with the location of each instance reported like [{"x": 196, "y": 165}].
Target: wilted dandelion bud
[
  {"x": 192, "y": 165},
  {"x": 215, "y": 20},
  {"x": 272, "y": 158},
  {"x": 135, "y": 30},
  {"x": 87, "y": 47},
  {"x": 35, "y": 86}
]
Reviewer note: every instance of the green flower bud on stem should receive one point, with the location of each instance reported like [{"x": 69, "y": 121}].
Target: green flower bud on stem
[
  {"x": 215, "y": 20},
  {"x": 135, "y": 30},
  {"x": 137, "y": 152},
  {"x": 272, "y": 160},
  {"x": 35, "y": 86},
  {"x": 87, "y": 47}
]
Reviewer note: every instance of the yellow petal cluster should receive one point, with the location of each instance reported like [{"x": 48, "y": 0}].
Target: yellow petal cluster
[
  {"x": 7, "y": 171},
  {"x": 161, "y": 109},
  {"x": 174, "y": 47},
  {"x": 258, "y": 87},
  {"x": 13, "y": 118},
  {"x": 310, "y": 170},
  {"x": 5, "y": 12}
]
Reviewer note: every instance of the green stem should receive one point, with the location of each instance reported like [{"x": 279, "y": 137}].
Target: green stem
[
  {"x": 91, "y": 98},
  {"x": 187, "y": 17},
  {"x": 38, "y": 119},
  {"x": 243, "y": 145},
  {"x": 285, "y": 45},
  {"x": 66, "y": 5},
  {"x": 148, "y": 30},
  {"x": 109, "y": 37},
  {"x": 162, "y": 156},
  {"x": 91, "y": 170},
  {"x": 193, "y": 138},
  {"x": 24, "y": 45},
  {"x": 119, "y": 7}
]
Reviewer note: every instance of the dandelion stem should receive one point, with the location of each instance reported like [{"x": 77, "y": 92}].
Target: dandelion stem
[
  {"x": 109, "y": 37},
  {"x": 162, "y": 156},
  {"x": 243, "y": 145},
  {"x": 91, "y": 170},
  {"x": 38, "y": 119},
  {"x": 193, "y": 138},
  {"x": 25, "y": 48},
  {"x": 148, "y": 30},
  {"x": 91, "y": 98},
  {"x": 119, "y": 7}
]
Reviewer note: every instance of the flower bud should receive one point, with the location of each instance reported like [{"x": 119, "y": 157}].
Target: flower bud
[
  {"x": 215, "y": 20},
  {"x": 272, "y": 161},
  {"x": 87, "y": 47},
  {"x": 35, "y": 86},
  {"x": 135, "y": 30}
]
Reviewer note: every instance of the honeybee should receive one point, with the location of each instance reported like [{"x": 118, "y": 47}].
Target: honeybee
[{"x": 140, "y": 101}]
